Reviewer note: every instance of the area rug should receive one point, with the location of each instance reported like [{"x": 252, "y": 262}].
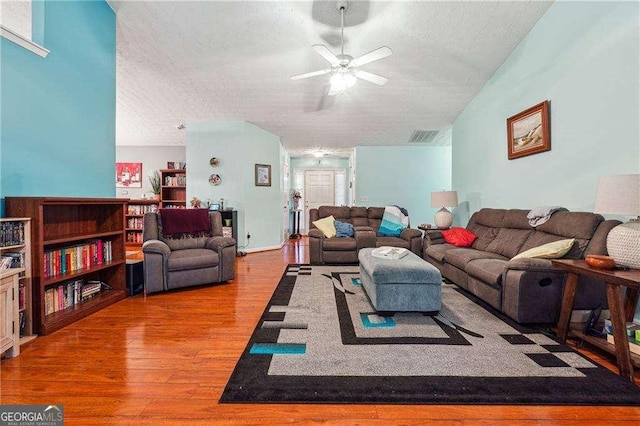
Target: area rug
[{"x": 320, "y": 340}]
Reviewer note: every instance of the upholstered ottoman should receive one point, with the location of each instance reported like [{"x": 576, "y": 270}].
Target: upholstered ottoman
[{"x": 402, "y": 285}]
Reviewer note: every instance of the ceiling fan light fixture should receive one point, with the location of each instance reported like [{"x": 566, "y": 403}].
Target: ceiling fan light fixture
[{"x": 342, "y": 80}]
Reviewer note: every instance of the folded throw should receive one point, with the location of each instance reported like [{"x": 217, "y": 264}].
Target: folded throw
[
  {"x": 394, "y": 220},
  {"x": 541, "y": 214},
  {"x": 178, "y": 223}
]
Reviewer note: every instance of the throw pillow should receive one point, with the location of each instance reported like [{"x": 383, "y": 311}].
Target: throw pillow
[
  {"x": 554, "y": 250},
  {"x": 343, "y": 229},
  {"x": 326, "y": 225},
  {"x": 459, "y": 237}
]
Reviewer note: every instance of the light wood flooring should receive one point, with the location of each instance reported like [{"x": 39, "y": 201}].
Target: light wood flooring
[{"x": 165, "y": 359}]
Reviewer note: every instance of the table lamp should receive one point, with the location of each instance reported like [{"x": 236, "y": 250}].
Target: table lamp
[
  {"x": 443, "y": 199},
  {"x": 621, "y": 195}
]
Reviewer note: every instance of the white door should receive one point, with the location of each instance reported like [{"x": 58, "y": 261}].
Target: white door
[{"x": 319, "y": 189}]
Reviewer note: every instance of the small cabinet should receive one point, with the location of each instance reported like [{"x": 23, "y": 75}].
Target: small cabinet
[
  {"x": 9, "y": 335},
  {"x": 230, "y": 224},
  {"x": 135, "y": 219},
  {"x": 173, "y": 190}
]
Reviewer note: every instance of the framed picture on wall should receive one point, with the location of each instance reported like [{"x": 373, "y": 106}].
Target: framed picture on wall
[
  {"x": 528, "y": 132},
  {"x": 263, "y": 175},
  {"x": 128, "y": 175}
]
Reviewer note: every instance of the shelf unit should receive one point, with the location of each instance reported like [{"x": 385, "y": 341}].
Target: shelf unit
[
  {"x": 135, "y": 219},
  {"x": 63, "y": 224},
  {"x": 230, "y": 217},
  {"x": 173, "y": 189},
  {"x": 16, "y": 239}
]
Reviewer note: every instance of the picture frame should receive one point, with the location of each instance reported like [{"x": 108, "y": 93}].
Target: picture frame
[
  {"x": 528, "y": 132},
  {"x": 214, "y": 207},
  {"x": 263, "y": 174},
  {"x": 128, "y": 175}
]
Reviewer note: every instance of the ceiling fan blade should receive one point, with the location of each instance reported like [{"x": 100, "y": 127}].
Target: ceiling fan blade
[
  {"x": 323, "y": 51},
  {"x": 310, "y": 74},
  {"x": 371, "y": 78},
  {"x": 380, "y": 53}
]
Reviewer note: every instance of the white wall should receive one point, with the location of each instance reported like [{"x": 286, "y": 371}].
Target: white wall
[
  {"x": 584, "y": 58},
  {"x": 152, "y": 158},
  {"x": 239, "y": 146}
]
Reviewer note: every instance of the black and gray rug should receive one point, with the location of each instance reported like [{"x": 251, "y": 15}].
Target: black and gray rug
[{"x": 319, "y": 340}]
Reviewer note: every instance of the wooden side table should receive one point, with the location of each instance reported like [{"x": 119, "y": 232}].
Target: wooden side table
[{"x": 622, "y": 309}]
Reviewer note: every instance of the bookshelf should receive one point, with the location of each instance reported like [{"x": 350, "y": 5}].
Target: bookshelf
[
  {"x": 135, "y": 219},
  {"x": 15, "y": 242},
  {"x": 173, "y": 189},
  {"x": 230, "y": 223},
  {"x": 73, "y": 241}
]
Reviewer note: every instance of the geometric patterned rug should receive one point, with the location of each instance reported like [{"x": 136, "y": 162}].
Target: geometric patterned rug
[{"x": 320, "y": 340}]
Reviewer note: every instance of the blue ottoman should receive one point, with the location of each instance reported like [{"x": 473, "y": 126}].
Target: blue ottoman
[{"x": 403, "y": 285}]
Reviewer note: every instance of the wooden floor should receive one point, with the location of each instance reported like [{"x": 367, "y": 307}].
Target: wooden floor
[{"x": 165, "y": 359}]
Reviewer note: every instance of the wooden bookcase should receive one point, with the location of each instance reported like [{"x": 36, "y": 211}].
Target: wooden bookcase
[
  {"x": 135, "y": 219},
  {"x": 67, "y": 224},
  {"x": 16, "y": 240},
  {"x": 173, "y": 189}
]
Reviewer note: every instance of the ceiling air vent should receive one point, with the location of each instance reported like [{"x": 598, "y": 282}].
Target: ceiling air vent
[{"x": 423, "y": 136}]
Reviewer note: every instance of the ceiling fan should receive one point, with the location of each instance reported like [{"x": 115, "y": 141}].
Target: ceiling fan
[{"x": 344, "y": 68}]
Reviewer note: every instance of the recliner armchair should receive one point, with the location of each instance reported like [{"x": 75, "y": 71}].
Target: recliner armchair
[{"x": 171, "y": 263}]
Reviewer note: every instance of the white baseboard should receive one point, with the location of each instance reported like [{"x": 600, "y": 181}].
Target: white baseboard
[{"x": 259, "y": 249}]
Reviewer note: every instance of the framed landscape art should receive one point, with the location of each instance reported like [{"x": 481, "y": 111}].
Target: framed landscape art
[{"x": 528, "y": 132}]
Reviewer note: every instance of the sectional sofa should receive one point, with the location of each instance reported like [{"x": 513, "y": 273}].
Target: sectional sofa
[
  {"x": 527, "y": 290},
  {"x": 366, "y": 221}
]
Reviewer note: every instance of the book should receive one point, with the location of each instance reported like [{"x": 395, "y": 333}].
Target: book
[
  {"x": 634, "y": 345},
  {"x": 393, "y": 253}
]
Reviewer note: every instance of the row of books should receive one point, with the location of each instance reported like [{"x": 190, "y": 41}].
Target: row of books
[
  {"x": 134, "y": 237},
  {"x": 76, "y": 257},
  {"x": 70, "y": 293},
  {"x": 135, "y": 222},
  {"x": 23, "y": 323},
  {"x": 11, "y": 234},
  {"x": 177, "y": 180},
  {"x": 141, "y": 208}
]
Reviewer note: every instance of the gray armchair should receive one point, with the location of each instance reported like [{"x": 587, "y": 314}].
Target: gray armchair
[{"x": 171, "y": 263}]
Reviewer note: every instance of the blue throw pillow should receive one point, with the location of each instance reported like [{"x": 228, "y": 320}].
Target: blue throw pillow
[{"x": 343, "y": 229}]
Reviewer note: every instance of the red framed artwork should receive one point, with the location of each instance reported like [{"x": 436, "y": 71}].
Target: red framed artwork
[{"x": 128, "y": 175}]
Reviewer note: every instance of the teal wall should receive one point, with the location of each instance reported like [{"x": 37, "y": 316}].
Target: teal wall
[
  {"x": 239, "y": 146},
  {"x": 58, "y": 113},
  {"x": 584, "y": 58},
  {"x": 404, "y": 176}
]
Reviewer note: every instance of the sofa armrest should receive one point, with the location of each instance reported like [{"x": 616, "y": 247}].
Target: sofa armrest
[
  {"x": 315, "y": 233},
  {"x": 432, "y": 237},
  {"x": 218, "y": 243},
  {"x": 532, "y": 265},
  {"x": 409, "y": 233},
  {"x": 156, "y": 247},
  {"x": 365, "y": 238}
]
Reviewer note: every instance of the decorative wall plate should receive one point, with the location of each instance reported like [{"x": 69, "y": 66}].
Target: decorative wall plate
[
  {"x": 214, "y": 161},
  {"x": 215, "y": 179}
]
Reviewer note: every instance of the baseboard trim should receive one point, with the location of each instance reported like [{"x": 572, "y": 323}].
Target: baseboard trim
[{"x": 259, "y": 249}]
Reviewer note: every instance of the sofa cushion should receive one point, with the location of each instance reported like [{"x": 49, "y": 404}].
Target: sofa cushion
[
  {"x": 359, "y": 216},
  {"x": 392, "y": 242},
  {"x": 339, "y": 244},
  {"x": 572, "y": 224},
  {"x": 459, "y": 257},
  {"x": 459, "y": 237},
  {"x": 437, "y": 251},
  {"x": 327, "y": 226},
  {"x": 487, "y": 270},
  {"x": 516, "y": 219},
  {"x": 508, "y": 241},
  {"x": 553, "y": 250},
  {"x": 192, "y": 259},
  {"x": 338, "y": 212}
]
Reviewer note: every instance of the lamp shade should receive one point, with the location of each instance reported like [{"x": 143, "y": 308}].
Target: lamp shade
[
  {"x": 444, "y": 199},
  {"x": 619, "y": 195}
]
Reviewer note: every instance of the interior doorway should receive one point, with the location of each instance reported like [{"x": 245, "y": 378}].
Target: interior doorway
[{"x": 319, "y": 190}]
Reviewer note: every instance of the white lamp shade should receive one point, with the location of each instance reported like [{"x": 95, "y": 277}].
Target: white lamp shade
[
  {"x": 444, "y": 199},
  {"x": 619, "y": 195}
]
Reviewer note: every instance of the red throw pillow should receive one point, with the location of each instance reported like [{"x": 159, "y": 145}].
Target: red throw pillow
[{"x": 459, "y": 237}]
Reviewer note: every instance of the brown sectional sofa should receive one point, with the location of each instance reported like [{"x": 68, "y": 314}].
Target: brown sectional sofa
[
  {"x": 527, "y": 290},
  {"x": 366, "y": 222}
]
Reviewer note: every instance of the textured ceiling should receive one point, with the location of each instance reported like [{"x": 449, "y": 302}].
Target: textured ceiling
[{"x": 181, "y": 61}]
